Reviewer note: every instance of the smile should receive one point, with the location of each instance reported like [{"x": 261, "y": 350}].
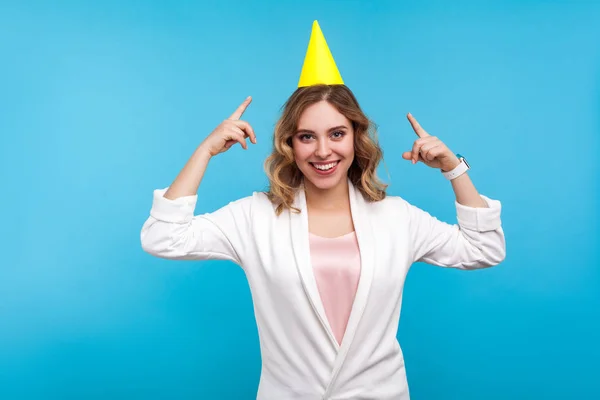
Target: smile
[{"x": 325, "y": 168}]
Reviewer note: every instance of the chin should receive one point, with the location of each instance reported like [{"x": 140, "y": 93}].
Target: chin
[{"x": 322, "y": 185}]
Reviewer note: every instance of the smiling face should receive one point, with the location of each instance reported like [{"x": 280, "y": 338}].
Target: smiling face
[
  {"x": 304, "y": 140},
  {"x": 323, "y": 146}
]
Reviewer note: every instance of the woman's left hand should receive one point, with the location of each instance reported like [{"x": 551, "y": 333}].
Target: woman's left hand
[{"x": 430, "y": 150}]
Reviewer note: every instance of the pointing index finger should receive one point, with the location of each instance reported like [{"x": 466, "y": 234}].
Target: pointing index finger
[
  {"x": 237, "y": 114},
  {"x": 416, "y": 127}
]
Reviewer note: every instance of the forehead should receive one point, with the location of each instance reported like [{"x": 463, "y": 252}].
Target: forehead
[{"x": 320, "y": 117}]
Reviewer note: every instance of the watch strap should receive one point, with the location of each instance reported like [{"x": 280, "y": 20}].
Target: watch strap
[{"x": 460, "y": 169}]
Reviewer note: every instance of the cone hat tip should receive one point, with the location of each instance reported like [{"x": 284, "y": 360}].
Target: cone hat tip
[{"x": 319, "y": 66}]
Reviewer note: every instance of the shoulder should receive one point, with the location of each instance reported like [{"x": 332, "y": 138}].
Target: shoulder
[
  {"x": 396, "y": 214},
  {"x": 255, "y": 198},
  {"x": 257, "y": 202},
  {"x": 390, "y": 205}
]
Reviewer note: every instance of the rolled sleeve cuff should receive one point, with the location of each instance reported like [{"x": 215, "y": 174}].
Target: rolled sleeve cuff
[
  {"x": 179, "y": 211},
  {"x": 480, "y": 219}
]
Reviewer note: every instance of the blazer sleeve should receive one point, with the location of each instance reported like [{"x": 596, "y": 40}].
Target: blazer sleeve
[
  {"x": 476, "y": 241},
  {"x": 173, "y": 232}
]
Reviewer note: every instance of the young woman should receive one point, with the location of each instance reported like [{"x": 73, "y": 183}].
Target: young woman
[{"x": 325, "y": 251}]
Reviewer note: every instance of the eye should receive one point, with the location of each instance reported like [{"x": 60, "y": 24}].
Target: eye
[
  {"x": 305, "y": 136},
  {"x": 338, "y": 134}
]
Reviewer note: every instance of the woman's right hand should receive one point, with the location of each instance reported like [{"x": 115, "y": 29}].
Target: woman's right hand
[{"x": 231, "y": 131}]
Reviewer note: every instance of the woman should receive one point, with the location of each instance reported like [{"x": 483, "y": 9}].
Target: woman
[{"x": 325, "y": 251}]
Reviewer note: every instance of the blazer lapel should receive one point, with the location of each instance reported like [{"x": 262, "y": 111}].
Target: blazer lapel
[
  {"x": 301, "y": 248},
  {"x": 364, "y": 233}
]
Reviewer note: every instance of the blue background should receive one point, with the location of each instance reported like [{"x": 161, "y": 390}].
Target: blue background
[{"x": 102, "y": 102}]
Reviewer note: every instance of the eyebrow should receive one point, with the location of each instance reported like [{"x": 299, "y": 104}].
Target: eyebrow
[{"x": 335, "y": 128}]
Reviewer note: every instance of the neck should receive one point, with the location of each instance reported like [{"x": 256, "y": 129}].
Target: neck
[{"x": 335, "y": 198}]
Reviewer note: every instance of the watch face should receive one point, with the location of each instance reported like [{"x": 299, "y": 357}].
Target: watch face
[{"x": 466, "y": 163}]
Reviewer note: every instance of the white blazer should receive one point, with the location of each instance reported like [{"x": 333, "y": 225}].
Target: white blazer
[{"x": 301, "y": 359}]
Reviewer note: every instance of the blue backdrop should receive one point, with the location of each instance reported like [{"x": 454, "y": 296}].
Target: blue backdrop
[{"x": 102, "y": 102}]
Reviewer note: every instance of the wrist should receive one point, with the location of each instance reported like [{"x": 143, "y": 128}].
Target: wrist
[
  {"x": 204, "y": 152},
  {"x": 456, "y": 170},
  {"x": 451, "y": 165}
]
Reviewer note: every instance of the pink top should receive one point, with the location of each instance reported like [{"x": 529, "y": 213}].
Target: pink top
[{"x": 336, "y": 265}]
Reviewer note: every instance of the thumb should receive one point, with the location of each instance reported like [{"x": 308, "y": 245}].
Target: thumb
[{"x": 407, "y": 155}]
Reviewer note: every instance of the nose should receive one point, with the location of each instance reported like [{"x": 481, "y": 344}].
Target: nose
[{"x": 323, "y": 149}]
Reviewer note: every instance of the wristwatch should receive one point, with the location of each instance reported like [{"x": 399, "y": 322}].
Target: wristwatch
[{"x": 460, "y": 169}]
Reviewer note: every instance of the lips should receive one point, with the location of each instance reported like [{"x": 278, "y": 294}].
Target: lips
[{"x": 325, "y": 168}]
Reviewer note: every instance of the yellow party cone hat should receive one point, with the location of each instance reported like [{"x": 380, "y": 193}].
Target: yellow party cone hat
[{"x": 319, "y": 65}]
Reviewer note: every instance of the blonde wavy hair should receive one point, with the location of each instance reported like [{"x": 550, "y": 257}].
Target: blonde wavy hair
[{"x": 285, "y": 177}]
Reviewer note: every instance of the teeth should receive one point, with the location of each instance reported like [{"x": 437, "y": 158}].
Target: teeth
[{"x": 325, "y": 167}]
